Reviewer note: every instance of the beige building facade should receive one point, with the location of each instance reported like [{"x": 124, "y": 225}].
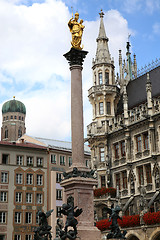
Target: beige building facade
[{"x": 124, "y": 136}]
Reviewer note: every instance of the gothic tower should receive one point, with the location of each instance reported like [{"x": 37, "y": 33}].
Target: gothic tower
[
  {"x": 104, "y": 96},
  {"x": 13, "y": 120}
]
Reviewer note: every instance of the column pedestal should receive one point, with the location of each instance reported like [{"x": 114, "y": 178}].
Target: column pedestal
[{"x": 81, "y": 189}]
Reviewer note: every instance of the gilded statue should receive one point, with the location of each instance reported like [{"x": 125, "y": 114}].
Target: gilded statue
[{"x": 76, "y": 29}]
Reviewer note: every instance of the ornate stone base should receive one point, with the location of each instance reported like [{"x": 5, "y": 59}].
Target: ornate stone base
[{"x": 81, "y": 189}]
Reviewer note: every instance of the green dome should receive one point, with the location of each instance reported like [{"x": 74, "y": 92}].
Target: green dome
[{"x": 13, "y": 106}]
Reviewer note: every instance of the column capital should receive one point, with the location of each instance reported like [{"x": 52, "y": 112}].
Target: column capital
[{"x": 75, "y": 56}]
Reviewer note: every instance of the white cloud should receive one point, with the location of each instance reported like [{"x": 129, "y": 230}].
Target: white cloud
[
  {"x": 156, "y": 28},
  {"x": 33, "y": 41}
]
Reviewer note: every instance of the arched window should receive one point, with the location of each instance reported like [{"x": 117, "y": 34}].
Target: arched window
[
  {"x": 106, "y": 77},
  {"x": 100, "y": 78},
  {"x": 19, "y": 132},
  {"x": 6, "y": 133}
]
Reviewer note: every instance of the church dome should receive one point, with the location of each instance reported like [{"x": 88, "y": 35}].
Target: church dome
[{"x": 13, "y": 106}]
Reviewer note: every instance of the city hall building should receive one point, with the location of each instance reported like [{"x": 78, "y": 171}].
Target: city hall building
[{"x": 124, "y": 137}]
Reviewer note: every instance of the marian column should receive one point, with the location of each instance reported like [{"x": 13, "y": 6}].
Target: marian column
[{"x": 79, "y": 181}]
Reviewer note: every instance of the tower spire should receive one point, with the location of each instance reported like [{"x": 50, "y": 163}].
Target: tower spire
[{"x": 102, "y": 54}]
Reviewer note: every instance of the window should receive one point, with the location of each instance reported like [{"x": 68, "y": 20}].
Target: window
[
  {"x": 58, "y": 177},
  {"x": 17, "y": 237},
  {"x": 39, "y": 198},
  {"x": 39, "y": 179},
  {"x": 108, "y": 108},
  {"x": 2, "y": 217},
  {"x": 28, "y": 237},
  {"x": 70, "y": 161},
  {"x": 19, "y": 132},
  {"x": 124, "y": 177},
  {"x": 29, "y": 197},
  {"x": 15, "y": 117},
  {"x": 3, "y": 196},
  {"x": 148, "y": 173},
  {"x": 29, "y": 161},
  {"x": 101, "y": 154},
  {"x": 29, "y": 179},
  {"x": 100, "y": 78},
  {"x": 101, "y": 111},
  {"x": 5, "y": 158},
  {"x": 95, "y": 78},
  {"x": 123, "y": 151},
  {"x": 103, "y": 181},
  {"x": 87, "y": 162},
  {"x": 58, "y": 213},
  {"x": 141, "y": 175},
  {"x": 58, "y": 194},
  {"x": 146, "y": 141},
  {"x": 138, "y": 142},
  {"x": 19, "y": 178},
  {"x": 62, "y": 160},
  {"x": 4, "y": 177},
  {"x": 39, "y": 162},
  {"x": 53, "y": 158},
  {"x": 7, "y": 117},
  {"x": 116, "y": 150},
  {"x": 18, "y": 197},
  {"x": 118, "y": 181},
  {"x": 19, "y": 117},
  {"x": 19, "y": 160},
  {"x": 4, "y": 118},
  {"x": 37, "y": 218},
  {"x": 106, "y": 78},
  {"x": 104, "y": 213},
  {"x": 28, "y": 218},
  {"x": 11, "y": 117},
  {"x": 6, "y": 133},
  {"x": 17, "y": 217}
]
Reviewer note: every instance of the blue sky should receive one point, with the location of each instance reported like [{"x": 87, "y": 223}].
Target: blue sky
[{"x": 34, "y": 37}]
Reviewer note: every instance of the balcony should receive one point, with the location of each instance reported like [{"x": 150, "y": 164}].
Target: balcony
[{"x": 98, "y": 89}]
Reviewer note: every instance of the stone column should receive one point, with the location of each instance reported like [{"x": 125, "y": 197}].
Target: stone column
[{"x": 79, "y": 185}]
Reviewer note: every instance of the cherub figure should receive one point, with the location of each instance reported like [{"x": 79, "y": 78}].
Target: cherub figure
[
  {"x": 69, "y": 210},
  {"x": 43, "y": 231},
  {"x": 114, "y": 216}
]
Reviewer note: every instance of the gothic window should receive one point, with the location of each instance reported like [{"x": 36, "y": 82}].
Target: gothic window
[
  {"x": 100, "y": 78},
  {"x": 101, "y": 110},
  {"x": 116, "y": 150},
  {"x": 123, "y": 151},
  {"x": 124, "y": 177},
  {"x": 108, "y": 108},
  {"x": 104, "y": 212},
  {"x": 141, "y": 175},
  {"x": 6, "y": 133},
  {"x": 146, "y": 141},
  {"x": 148, "y": 173},
  {"x": 103, "y": 181},
  {"x": 139, "y": 143},
  {"x": 101, "y": 154},
  {"x": 118, "y": 181},
  {"x": 106, "y": 78}
]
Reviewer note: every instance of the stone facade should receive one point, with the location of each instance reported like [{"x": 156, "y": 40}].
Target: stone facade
[{"x": 124, "y": 136}]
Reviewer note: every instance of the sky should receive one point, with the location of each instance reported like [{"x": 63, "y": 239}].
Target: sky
[{"x": 35, "y": 35}]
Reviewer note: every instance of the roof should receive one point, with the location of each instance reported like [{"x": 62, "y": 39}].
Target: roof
[
  {"x": 24, "y": 144},
  {"x": 136, "y": 89},
  {"x": 13, "y": 106},
  {"x": 52, "y": 143}
]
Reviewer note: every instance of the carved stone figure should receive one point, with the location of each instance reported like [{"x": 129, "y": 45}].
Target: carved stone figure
[
  {"x": 69, "y": 210},
  {"x": 76, "y": 30},
  {"x": 43, "y": 231},
  {"x": 115, "y": 230}
]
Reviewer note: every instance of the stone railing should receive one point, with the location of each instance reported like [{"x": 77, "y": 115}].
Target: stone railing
[
  {"x": 103, "y": 87},
  {"x": 156, "y": 106},
  {"x": 116, "y": 123},
  {"x": 94, "y": 128}
]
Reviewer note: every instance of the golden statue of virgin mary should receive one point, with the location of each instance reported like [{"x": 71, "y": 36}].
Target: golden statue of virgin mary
[{"x": 76, "y": 29}]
